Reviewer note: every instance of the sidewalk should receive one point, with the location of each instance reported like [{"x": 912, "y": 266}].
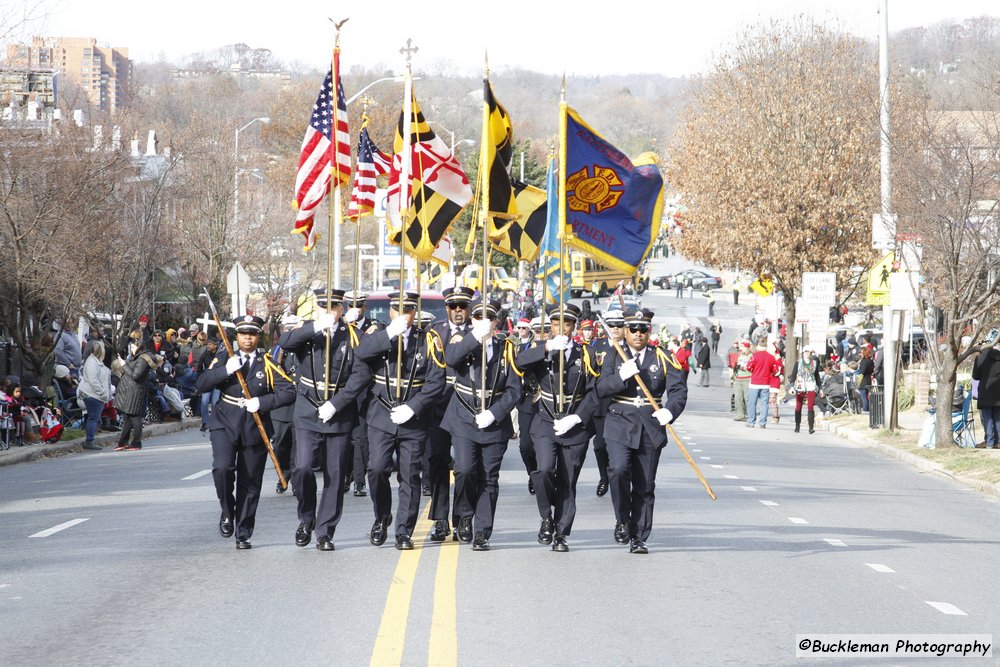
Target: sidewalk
[
  {"x": 976, "y": 468},
  {"x": 38, "y": 451}
]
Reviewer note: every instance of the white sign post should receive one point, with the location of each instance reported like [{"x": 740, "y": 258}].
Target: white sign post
[{"x": 238, "y": 286}]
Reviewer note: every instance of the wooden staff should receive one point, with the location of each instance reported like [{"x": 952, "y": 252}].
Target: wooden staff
[
  {"x": 246, "y": 395},
  {"x": 656, "y": 406}
]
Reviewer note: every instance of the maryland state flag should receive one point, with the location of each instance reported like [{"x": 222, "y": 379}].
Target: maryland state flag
[
  {"x": 522, "y": 238},
  {"x": 498, "y": 149},
  {"x": 436, "y": 188},
  {"x": 613, "y": 205}
]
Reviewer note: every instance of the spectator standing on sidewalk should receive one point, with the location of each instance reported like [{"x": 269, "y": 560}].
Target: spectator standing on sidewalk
[
  {"x": 762, "y": 366},
  {"x": 715, "y": 333},
  {"x": 987, "y": 371},
  {"x": 741, "y": 380},
  {"x": 704, "y": 360},
  {"x": 776, "y": 382},
  {"x": 130, "y": 397},
  {"x": 94, "y": 391},
  {"x": 68, "y": 350},
  {"x": 805, "y": 383}
]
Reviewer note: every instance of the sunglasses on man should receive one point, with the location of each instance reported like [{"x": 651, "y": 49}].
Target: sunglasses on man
[
  {"x": 638, "y": 328},
  {"x": 458, "y": 306}
]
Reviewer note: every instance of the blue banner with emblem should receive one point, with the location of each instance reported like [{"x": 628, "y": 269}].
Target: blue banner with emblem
[{"x": 613, "y": 204}]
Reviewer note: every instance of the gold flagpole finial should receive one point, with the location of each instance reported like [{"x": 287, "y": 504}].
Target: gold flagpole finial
[
  {"x": 486, "y": 64},
  {"x": 337, "y": 25},
  {"x": 408, "y": 51},
  {"x": 562, "y": 92}
]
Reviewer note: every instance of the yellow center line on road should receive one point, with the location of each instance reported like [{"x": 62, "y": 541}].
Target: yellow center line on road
[{"x": 442, "y": 648}]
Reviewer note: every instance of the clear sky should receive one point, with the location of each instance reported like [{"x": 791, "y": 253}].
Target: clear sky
[{"x": 582, "y": 37}]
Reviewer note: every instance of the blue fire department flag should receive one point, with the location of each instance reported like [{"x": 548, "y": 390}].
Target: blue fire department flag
[{"x": 613, "y": 205}]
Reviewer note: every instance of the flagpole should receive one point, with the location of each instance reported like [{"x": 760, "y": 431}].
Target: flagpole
[
  {"x": 357, "y": 221},
  {"x": 404, "y": 201},
  {"x": 562, "y": 226},
  {"x": 335, "y": 212},
  {"x": 484, "y": 212}
]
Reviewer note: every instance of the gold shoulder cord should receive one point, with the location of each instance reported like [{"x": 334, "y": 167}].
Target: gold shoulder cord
[
  {"x": 668, "y": 360},
  {"x": 353, "y": 332},
  {"x": 586, "y": 362},
  {"x": 433, "y": 340},
  {"x": 270, "y": 368},
  {"x": 509, "y": 353}
]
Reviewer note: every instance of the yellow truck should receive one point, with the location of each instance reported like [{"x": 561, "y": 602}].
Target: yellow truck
[
  {"x": 588, "y": 274},
  {"x": 500, "y": 280}
]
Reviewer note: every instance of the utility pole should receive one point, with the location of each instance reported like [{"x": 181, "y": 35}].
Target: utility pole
[{"x": 889, "y": 329}]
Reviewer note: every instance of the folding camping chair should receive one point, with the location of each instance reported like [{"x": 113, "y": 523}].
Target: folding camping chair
[{"x": 963, "y": 426}]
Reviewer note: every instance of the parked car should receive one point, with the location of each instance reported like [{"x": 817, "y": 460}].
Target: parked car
[
  {"x": 700, "y": 280},
  {"x": 632, "y": 303},
  {"x": 431, "y": 306}
]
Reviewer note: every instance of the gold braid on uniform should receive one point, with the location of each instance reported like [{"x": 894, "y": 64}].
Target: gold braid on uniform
[
  {"x": 672, "y": 360},
  {"x": 435, "y": 347},
  {"x": 508, "y": 352},
  {"x": 586, "y": 362},
  {"x": 270, "y": 368},
  {"x": 353, "y": 332}
]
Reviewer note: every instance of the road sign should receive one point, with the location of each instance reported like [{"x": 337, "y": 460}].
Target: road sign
[
  {"x": 764, "y": 285},
  {"x": 238, "y": 286},
  {"x": 878, "y": 281},
  {"x": 883, "y": 231},
  {"x": 903, "y": 290},
  {"x": 819, "y": 287}
]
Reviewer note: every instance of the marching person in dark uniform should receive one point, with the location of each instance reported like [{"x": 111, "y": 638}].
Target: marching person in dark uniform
[
  {"x": 560, "y": 431},
  {"x": 479, "y": 422},
  {"x": 325, "y": 413},
  {"x": 283, "y": 440},
  {"x": 527, "y": 406},
  {"x": 399, "y": 414},
  {"x": 634, "y": 432},
  {"x": 599, "y": 350},
  {"x": 439, "y": 438},
  {"x": 238, "y": 452},
  {"x": 356, "y": 304}
]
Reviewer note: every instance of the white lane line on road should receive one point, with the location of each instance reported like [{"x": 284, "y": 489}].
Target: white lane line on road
[
  {"x": 200, "y": 473},
  {"x": 715, "y": 465},
  {"x": 705, "y": 458},
  {"x": 769, "y": 503},
  {"x": 946, "y": 608},
  {"x": 730, "y": 476},
  {"x": 878, "y": 567},
  {"x": 835, "y": 543},
  {"x": 749, "y": 488},
  {"x": 696, "y": 451},
  {"x": 56, "y": 529},
  {"x": 798, "y": 520}
]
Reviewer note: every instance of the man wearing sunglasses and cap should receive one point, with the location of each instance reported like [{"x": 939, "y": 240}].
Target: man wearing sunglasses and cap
[
  {"x": 562, "y": 427},
  {"x": 409, "y": 379},
  {"x": 439, "y": 441},
  {"x": 239, "y": 455},
  {"x": 527, "y": 406},
  {"x": 479, "y": 419},
  {"x": 356, "y": 315},
  {"x": 601, "y": 349},
  {"x": 326, "y": 395},
  {"x": 634, "y": 433}
]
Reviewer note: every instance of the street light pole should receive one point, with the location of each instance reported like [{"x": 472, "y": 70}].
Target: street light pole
[{"x": 236, "y": 154}]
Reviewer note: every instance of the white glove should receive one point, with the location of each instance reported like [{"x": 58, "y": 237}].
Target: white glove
[
  {"x": 401, "y": 414},
  {"x": 233, "y": 364},
  {"x": 564, "y": 424},
  {"x": 484, "y": 419},
  {"x": 326, "y": 411},
  {"x": 324, "y": 321},
  {"x": 397, "y": 326},
  {"x": 253, "y": 404},
  {"x": 663, "y": 416},
  {"x": 557, "y": 343},
  {"x": 628, "y": 369},
  {"x": 352, "y": 315},
  {"x": 481, "y": 329}
]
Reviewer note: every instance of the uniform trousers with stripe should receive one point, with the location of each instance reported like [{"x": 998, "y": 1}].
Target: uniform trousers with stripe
[
  {"x": 409, "y": 449},
  {"x": 328, "y": 451},
  {"x": 632, "y": 477},
  {"x": 555, "y": 478},
  {"x": 477, "y": 481},
  {"x": 238, "y": 472}
]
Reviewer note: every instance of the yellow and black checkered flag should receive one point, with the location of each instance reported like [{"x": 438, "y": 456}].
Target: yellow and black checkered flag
[
  {"x": 523, "y": 237},
  {"x": 502, "y": 203},
  {"x": 437, "y": 191}
]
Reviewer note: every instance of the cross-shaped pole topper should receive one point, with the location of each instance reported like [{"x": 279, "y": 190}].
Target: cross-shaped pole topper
[
  {"x": 207, "y": 322},
  {"x": 409, "y": 50}
]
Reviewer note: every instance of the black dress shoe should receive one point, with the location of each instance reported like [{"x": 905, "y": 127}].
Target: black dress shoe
[
  {"x": 545, "y": 531},
  {"x": 404, "y": 543},
  {"x": 360, "y": 491},
  {"x": 425, "y": 490},
  {"x": 324, "y": 543},
  {"x": 621, "y": 533},
  {"x": 602, "y": 488},
  {"x": 637, "y": 547},
  {"x": 380, "y": 531},
  {"x": 440, "y": 531},
  {"x": 226, "y": 526},
  {"x": 243, "y": 544},
  {"x": 480, "y": 543},
  {"x": 559, "y": 544},
  {"x": 303, "y": 534},
  {"x": 531, "y": 486},
  {"x": 465, "y": 529},
  {"x": 278, "y": 488}
]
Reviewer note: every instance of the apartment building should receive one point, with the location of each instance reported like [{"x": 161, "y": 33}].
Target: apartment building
[{"x": 103, "y": 73}]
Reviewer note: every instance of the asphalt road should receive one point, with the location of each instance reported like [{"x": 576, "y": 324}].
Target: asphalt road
[{"x": 114, "y": 558}]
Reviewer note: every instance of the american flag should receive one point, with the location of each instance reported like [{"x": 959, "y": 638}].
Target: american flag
[
  {"x": 371, "y": 163},
  {"x": 321, "y": 154}
]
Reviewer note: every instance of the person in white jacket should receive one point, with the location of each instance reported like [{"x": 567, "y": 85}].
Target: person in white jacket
[{"x": 94, "y": 391}]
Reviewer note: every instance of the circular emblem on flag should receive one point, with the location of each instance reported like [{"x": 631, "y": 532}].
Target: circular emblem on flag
[{"x": 601, "y": 190}]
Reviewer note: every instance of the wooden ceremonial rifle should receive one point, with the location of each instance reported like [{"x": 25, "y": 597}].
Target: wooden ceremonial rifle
[
  {"x": 246, "y": 393},
  {"x": 653, "y": 403}
]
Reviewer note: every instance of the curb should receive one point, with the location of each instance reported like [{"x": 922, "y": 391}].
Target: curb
[
  {"x": 16, "y": 455},
  {"x": 862, "y": 438}
]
